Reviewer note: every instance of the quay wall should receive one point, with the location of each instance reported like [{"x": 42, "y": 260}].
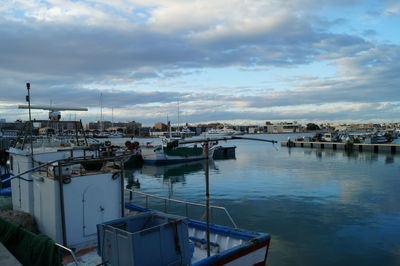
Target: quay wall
[{"x": 389, "y": 148}]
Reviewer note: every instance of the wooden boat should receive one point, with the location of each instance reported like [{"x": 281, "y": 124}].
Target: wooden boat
[
  {"x": 229, "y": 246},
  {"x": 172, "y": 152},
  {"x": 123, "y": 242},
  {"x": 97, "y": 197}
]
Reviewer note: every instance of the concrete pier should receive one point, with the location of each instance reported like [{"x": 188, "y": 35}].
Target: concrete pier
[{"x": 385, "y": 148}]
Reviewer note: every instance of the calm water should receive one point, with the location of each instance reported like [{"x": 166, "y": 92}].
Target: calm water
[{"x": 321, "y": 207}]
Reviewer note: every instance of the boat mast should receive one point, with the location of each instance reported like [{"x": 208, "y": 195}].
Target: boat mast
[
  {"x": 169, "y": 129},
  {"x": 112, "y": 116},
  {"x": 178, "y": 118},
  {"x": 28, "y": 99},
  {"x": 206, "y": 150},
  {"x": 101, "y": 112}
]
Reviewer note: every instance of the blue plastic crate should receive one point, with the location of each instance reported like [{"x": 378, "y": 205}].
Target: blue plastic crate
[{"x": 150, "y": 238}]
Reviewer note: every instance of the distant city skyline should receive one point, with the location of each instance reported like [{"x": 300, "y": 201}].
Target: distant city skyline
[{"x": 239, "y": 62}]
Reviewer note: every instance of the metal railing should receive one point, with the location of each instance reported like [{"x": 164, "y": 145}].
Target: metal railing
[
  {"x": 186, "y": 203},
  {"x": 70, "y": 251},
  {"x": 65, "y": 162}
]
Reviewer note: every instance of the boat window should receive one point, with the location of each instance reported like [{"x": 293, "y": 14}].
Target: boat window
[{"x": 11, "y": 163}]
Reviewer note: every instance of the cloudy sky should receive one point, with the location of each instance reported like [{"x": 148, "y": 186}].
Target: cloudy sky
[{"x": 239, "y": 61}]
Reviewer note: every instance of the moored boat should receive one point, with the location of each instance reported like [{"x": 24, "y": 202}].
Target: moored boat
[
  {"x": 222, "y": 132},
  {"x": 229, "y": 246},
  {"x": 78, "y": 199},
  {"x": 173, "y": 152}
]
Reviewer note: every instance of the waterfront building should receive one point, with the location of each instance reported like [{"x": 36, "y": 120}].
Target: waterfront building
[
  {"x": 99, "y": 125},
  {"x": 284, "y": 127},
  {"x": 160, "y": 126},
  {"x": 132, "y": 127}
]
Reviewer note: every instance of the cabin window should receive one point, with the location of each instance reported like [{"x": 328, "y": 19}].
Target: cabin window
[{"x": 12, "y": 163}]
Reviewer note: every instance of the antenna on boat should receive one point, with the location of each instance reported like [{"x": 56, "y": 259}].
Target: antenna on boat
[
  {"x": 28, "y": 99},
  {"x": 54, "y": 111}
]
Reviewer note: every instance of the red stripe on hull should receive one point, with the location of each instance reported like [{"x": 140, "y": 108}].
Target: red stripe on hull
[{"x": 245, "y": 252}]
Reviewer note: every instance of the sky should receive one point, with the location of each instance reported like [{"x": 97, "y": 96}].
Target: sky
[{"x": 232, "y": 61}]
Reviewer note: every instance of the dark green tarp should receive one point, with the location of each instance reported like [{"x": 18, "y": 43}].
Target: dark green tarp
[
  {"x": 184, "y": 151},
  {"x": 28, "y": 248}
]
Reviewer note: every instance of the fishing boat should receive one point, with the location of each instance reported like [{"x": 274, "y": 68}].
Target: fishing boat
[
  {"x": 172, "y": 152},
  {"x": 184, "y": 238},
  {"x": 74, "y": 204},
  {"x": 79, "y": 203}
]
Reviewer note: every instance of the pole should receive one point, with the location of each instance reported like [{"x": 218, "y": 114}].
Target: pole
[
  {"x": 179, "y": 123},
  {"x": 28, "y": 98},
  {"x": 76, "y": 133},
  {"x": 84, "y": 133},
  {"x": 122, "y": 179},
  {"x": 207, "y": 199},
  {"x": 60, "y": 187},
  {"x": 169, "y": 129},
  {"x": 101, "y": 112}
]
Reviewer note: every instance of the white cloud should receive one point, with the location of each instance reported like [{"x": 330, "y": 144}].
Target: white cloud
[
  {"x": 149, "y": 53},
  {"x": 393, "y": 8}
]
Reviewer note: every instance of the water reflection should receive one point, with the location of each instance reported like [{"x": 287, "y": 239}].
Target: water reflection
[
  {"x": 389, "y": 159},
  {"x": 131, "y": 182},
  {"x": 168, "y": 174},
  {"x": 368, "y": 157},
  {"x": 172, "y": 173},
  {"x": 322, "y": 207}
]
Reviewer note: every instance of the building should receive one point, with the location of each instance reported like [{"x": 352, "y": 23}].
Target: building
[
  {"x": 284, "y": 127},
  {"x": 99, "y": 125},
  {"x": 133, "y": 128},
  {"x": 160, "y": 127}
]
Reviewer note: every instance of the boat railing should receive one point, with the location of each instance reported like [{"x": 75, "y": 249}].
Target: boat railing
[
  {"x": 186, "y": 203},
  {"x": 70, "y": 251},
  {"x": 65, "y": 162}
]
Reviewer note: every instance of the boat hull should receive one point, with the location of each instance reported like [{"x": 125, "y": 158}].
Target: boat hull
[
  {"x": 158, "y": 156},
  {"x": 241, "y": 247}
]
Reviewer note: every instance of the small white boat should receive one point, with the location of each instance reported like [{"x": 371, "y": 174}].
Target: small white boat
[{"x": 222, "y": 132}]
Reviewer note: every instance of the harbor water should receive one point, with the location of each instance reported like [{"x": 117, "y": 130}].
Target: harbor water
[{"x": 321, "y": 207}]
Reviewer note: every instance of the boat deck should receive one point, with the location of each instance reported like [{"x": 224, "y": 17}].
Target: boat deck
[
  {"x": 6, "y": 258},
  {"x": 224, "y": 243}
]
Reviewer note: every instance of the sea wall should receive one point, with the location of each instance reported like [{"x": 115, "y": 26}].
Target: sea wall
[{"x": 388, "y": 148}]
